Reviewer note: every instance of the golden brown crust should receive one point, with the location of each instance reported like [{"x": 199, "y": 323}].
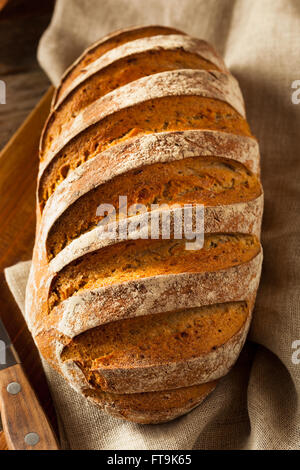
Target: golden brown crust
[
  {"x": 203, "y": 180},
  {"x": 136, "y": 259},
  {"x": 96, "y": 50},
  {"x": 143, "y": 328},
  {"x": 174, "y": 100},
  {"x": 150, "y": 344},
  {"x": 151, "y": 407},
  {"x": 125, "y": 64}
]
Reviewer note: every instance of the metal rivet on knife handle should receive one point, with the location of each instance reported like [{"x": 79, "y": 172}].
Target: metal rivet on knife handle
[
  {"x": 31, "y": 439},
  {"x": 13, "y": 388}
]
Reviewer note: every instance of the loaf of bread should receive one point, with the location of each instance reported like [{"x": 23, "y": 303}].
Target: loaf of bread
[{"x": 144, "y": 327}]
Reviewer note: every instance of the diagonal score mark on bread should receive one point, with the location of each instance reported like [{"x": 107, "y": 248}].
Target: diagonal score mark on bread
[
  {"x": 134, "y": 259},
  {"x": 176, "y": 100},
  {"x": 84, "y": 189},
  {"x": 105, "y": 44},
  {"x": 127, "y": 63}
]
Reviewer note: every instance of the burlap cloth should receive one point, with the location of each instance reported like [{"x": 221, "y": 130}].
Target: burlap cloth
[{"x": 257, "y": 405}]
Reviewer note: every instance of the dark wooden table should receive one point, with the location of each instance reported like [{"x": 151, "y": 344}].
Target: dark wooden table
[{"x": 21, "y": 24}]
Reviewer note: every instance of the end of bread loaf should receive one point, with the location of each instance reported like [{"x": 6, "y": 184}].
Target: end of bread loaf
[{"x": 151, "y": 407}]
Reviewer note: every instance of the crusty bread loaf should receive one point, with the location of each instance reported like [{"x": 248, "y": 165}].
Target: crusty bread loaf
[{"x": 144, "y": 327}]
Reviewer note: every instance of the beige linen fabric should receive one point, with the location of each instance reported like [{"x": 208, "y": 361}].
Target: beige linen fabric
[{"x": 257, "y": 405}]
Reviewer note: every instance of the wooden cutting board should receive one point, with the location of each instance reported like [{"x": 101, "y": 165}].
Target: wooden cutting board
[{"x": 18, "y": 172}]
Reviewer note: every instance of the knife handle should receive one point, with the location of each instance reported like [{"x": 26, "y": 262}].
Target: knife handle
[{"x": 25, "y": 424}]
